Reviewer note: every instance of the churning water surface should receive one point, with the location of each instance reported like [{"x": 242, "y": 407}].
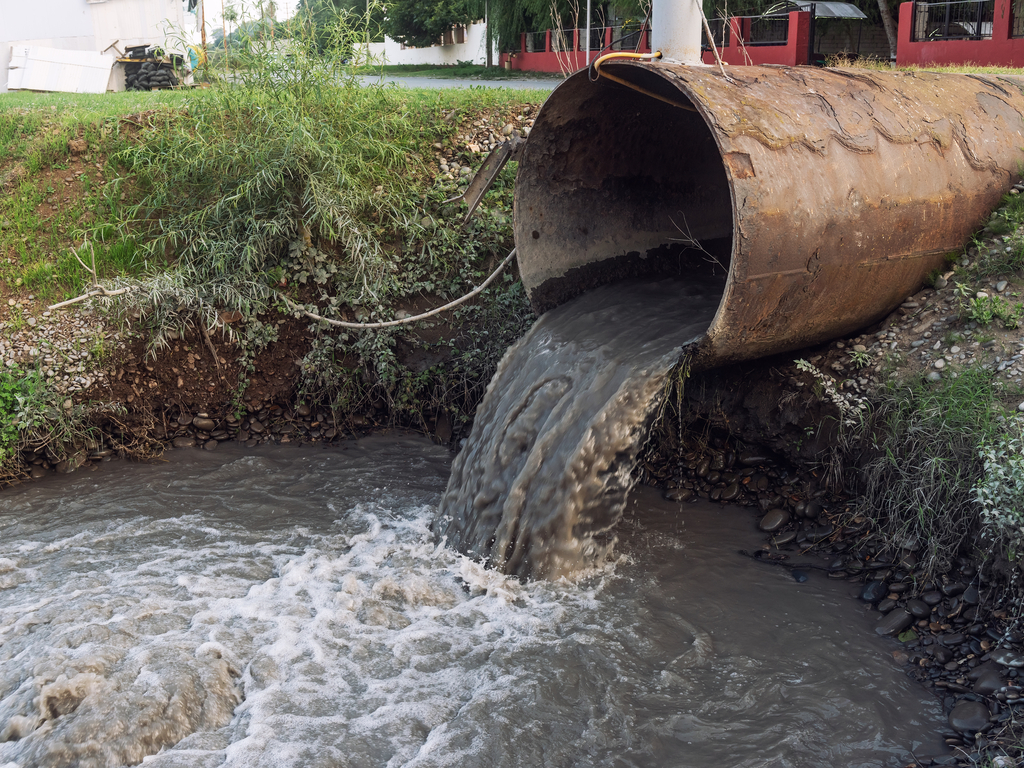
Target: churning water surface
[
  {"x": 545, "y": 474},
  {"x": 289, "y": 607}
]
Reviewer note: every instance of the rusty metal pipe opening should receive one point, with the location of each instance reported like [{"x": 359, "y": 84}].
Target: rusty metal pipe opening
[{"x": 821, "y": 197}]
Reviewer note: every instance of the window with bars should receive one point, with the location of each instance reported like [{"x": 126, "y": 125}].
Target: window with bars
[
  {"x": 769, "y": 30},
  {"x": 958, "y": 20}
]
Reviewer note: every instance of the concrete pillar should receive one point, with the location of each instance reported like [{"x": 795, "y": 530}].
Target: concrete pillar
[{"x": 675, "y": 30}]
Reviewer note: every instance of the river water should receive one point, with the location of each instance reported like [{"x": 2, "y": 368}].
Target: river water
[{"x": 290, "y": 607}]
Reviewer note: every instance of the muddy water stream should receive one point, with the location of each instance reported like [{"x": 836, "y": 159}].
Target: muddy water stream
[
  {"x": 289, "y": 607},
  {"x": 544, "y": 476}
]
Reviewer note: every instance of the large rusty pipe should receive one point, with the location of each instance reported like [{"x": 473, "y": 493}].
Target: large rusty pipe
[{"x": 823, "y": 197}]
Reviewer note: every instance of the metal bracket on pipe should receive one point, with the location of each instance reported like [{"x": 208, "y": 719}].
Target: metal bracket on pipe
[{"x": 501, "y": 154}]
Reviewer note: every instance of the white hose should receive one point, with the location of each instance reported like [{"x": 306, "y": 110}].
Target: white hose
[{"x": 404, "y": 320}]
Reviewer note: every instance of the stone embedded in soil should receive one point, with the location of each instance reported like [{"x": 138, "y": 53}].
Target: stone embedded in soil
[
  {"x": 874, "y": 591},
  {"x": 933, "y": 597},
  {"x": 731, "y": 492},
  {"x": 969, "y": 717},
  {"x": 184, "y": 442},
  {"x": 206, "y": 425},
  {"x": 988, "y": 682},
  {"x": 941, "y": 654},
  {"x": 919, "y": 609},
  {"x": 894, "y": 622},
  {"x": 820, "y": 533},
  {"x": 950, "y": 590},
  {"x": 752, "y": 458},
  {"x": 775, "y": 519},
  {"x": 1008, "y": 658}
]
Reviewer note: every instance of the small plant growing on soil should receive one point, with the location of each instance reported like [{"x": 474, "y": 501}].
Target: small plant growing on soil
[
  {"x": 860, "y": 358},
  {"x": 851, "y": 407},
  {"x": 19, "y": 392},
  {"x": 999, "y": 494}
]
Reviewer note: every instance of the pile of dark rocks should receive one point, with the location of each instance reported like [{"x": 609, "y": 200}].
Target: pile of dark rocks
[
  {"x": 272, "y": 423},
  {"x": 178, "y": 429}
]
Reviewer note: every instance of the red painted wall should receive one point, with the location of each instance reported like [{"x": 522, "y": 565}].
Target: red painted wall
[
  {"x": 1000, "y": 51},
  {"x": 794, "y": 53}
]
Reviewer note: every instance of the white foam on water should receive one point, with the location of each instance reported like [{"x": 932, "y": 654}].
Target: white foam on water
[{"x": 250, "y": 631}]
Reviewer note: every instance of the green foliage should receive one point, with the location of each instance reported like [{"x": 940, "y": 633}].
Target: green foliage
[
  {"x": 1000, "y": 490},
  {"x": 999, "y": 495},
  {"x": 510, "y": 18},
  {"x": 982, "y": 308},
  {"x": 1007, "y": 257},
  {"x": 421, "y": 23},
  {"x": 317, "y": 18},
  {"x": 291, "y": 147},
  {"x": 860, "y": 358},
  {"x": 291, "y": 176},
  {"x": 20, "y": 396},
  {"x": 52, "y": 206},
  {"x": 919, "y": 450}
]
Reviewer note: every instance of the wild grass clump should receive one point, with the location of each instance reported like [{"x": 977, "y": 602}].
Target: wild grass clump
[
  {"x": 843, "y": 60},
  {"x": 920, "y": 459},
  {"x": 34, "y": 416},
  {"x": 297, "y": 150}
]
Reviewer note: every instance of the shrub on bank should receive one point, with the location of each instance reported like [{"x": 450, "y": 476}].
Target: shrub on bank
[
  {"x": 919, "y": 459},
  {"x": 295, "y": 178}
]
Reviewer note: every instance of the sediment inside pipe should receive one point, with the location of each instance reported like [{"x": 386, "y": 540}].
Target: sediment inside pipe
[{"x": 617, "y": 184}]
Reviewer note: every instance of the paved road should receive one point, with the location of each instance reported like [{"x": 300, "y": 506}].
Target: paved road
[{"x": 441, "y": 82}]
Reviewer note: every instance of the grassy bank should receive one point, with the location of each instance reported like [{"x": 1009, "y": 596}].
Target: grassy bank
[
  {"x": 207, "y": 209},
  {"x": 845, "y": 62},
  {"x": 936, "y": 459}
]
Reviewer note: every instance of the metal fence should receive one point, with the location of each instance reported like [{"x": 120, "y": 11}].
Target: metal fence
[
  {"x": 720, "y": 32},
  {"x": 624, "y": 37},
  {"x": 958, "y": 20},
  {"x": 768, "y": 30}
]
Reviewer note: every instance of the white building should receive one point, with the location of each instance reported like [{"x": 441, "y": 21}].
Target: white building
[
  {"x": 462, "y": 44},
  {"x": 97, "y": 26}
]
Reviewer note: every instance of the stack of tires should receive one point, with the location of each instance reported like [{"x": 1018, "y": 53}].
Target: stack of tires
[{"x": 149, "y": 75}]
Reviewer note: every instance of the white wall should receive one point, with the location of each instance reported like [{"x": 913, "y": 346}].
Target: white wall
[
  {"x": 474, "y": 50},
  {"x": 87, "y": 25}
]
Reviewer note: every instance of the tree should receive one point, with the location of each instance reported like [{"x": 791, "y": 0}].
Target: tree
[
  {"x": 421, "y": 23},
  {"x": 322, "y": 17},
  {"x": 510, "y": 18},
  {"x": 890, "y": 26}
]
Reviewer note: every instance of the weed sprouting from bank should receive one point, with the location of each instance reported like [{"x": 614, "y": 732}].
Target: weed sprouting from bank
[{"x": 920, "y": 459}]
